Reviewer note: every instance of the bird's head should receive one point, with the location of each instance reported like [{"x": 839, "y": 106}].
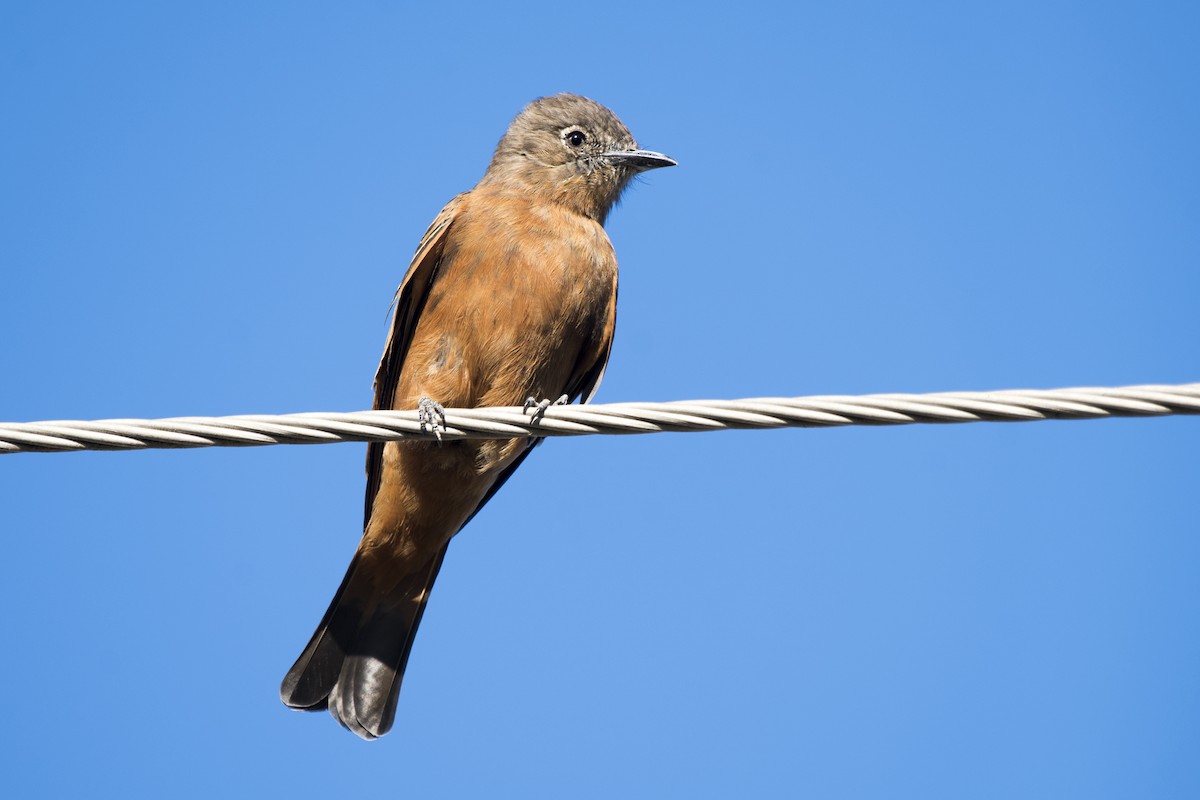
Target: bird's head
[{"x": 571, "y": 150}]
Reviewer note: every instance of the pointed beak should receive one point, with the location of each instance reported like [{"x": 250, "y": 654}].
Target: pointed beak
[{"x": 639, "y": 160}]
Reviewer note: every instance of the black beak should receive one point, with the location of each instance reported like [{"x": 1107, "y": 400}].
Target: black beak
[{"x": 639, "y": 160}]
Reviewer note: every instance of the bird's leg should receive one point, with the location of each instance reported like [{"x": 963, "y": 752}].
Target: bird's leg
[
  {"x": 432, "y": 414},
  {"x": 539, "y": 406}
]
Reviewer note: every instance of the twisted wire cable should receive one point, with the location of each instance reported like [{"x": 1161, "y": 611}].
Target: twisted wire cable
[{"x": 1011, "y": 405}]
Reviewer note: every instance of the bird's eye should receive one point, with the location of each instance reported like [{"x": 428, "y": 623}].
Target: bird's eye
[{"x": 576, "y": 138}]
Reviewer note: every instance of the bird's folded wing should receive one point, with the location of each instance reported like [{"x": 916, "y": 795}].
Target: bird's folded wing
[{"x": 406, "y": 309}]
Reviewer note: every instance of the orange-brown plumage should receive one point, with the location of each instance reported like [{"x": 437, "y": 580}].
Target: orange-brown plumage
[{"x": 511, "y": 294}]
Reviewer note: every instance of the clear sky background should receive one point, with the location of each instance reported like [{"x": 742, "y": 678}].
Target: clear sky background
[{"x": 205, "y": 209}]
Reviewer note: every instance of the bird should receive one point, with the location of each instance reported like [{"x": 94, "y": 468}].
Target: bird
[{"x": 509, "y": 300}]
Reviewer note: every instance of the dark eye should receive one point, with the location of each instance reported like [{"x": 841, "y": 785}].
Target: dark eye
[{"x": 576, "y": 138}]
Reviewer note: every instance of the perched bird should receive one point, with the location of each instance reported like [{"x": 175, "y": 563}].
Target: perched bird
[{"x": 511, "y": 296}]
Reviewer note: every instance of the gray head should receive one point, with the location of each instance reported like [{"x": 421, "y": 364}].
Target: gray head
[{"x": 570, "y": 150}]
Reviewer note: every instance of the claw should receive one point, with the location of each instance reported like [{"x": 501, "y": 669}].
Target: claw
[
  {"x": 431, "y": 414},
  {"x": 539, "y": 406}
]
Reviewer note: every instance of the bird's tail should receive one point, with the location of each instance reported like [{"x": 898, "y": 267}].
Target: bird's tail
[{"x": 355, "y": 661}]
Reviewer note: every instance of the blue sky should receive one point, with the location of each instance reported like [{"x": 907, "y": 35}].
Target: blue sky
[{"x": 206, "y": 210}]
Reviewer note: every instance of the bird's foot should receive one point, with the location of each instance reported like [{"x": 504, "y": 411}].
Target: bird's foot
[
  {"x": 431, "y": 414},
  {"x": 539, "y": 406}
]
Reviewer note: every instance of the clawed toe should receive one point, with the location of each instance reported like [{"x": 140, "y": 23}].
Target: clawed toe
[
  {"x": 432, "y": 414},
  {"x": 539, "y": 406}
]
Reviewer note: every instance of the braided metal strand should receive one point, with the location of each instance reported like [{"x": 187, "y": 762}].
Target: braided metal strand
[{"x": 611, "y": 418}]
